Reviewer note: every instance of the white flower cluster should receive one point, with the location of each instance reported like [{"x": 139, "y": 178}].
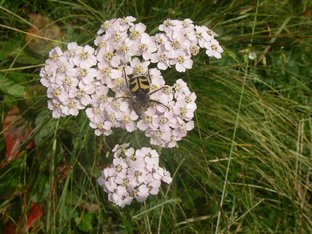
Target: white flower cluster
[
  {"x": 117, "y": 86},
  {"x": 168, "y": 123},
  {"x": 180, "y": 41},
  {"x": 167, "y": 119},
  {"x": 120, "y": 40},
  {"x": 134, "y": 174},
  {"x": 69, "y": 78}
]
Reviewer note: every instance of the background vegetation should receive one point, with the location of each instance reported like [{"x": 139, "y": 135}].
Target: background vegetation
[{"x": 245, "y": 168}]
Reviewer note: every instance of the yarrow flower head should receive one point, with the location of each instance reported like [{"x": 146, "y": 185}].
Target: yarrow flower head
[
  {"x": 169, "y": 122},
  {"x": 179, "y": 41},
  {"x": 166, "y": 119},
  {"x": 134, "y": 174},
  {"x": 119, "y": 85},
  {"x": 70, "y": 78},
  {"x": 120, "y": 40}
]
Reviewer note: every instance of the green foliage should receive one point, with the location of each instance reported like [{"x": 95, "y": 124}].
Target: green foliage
[
  {"x": 246, "y": 167},
  {"x": 11, "y": 85},
  {"x": 84, "y": 222}
]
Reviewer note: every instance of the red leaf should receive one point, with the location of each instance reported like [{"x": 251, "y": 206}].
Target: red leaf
[
  {"x": 34, "y": 213},
  {"x": 15, "y": 132}
]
